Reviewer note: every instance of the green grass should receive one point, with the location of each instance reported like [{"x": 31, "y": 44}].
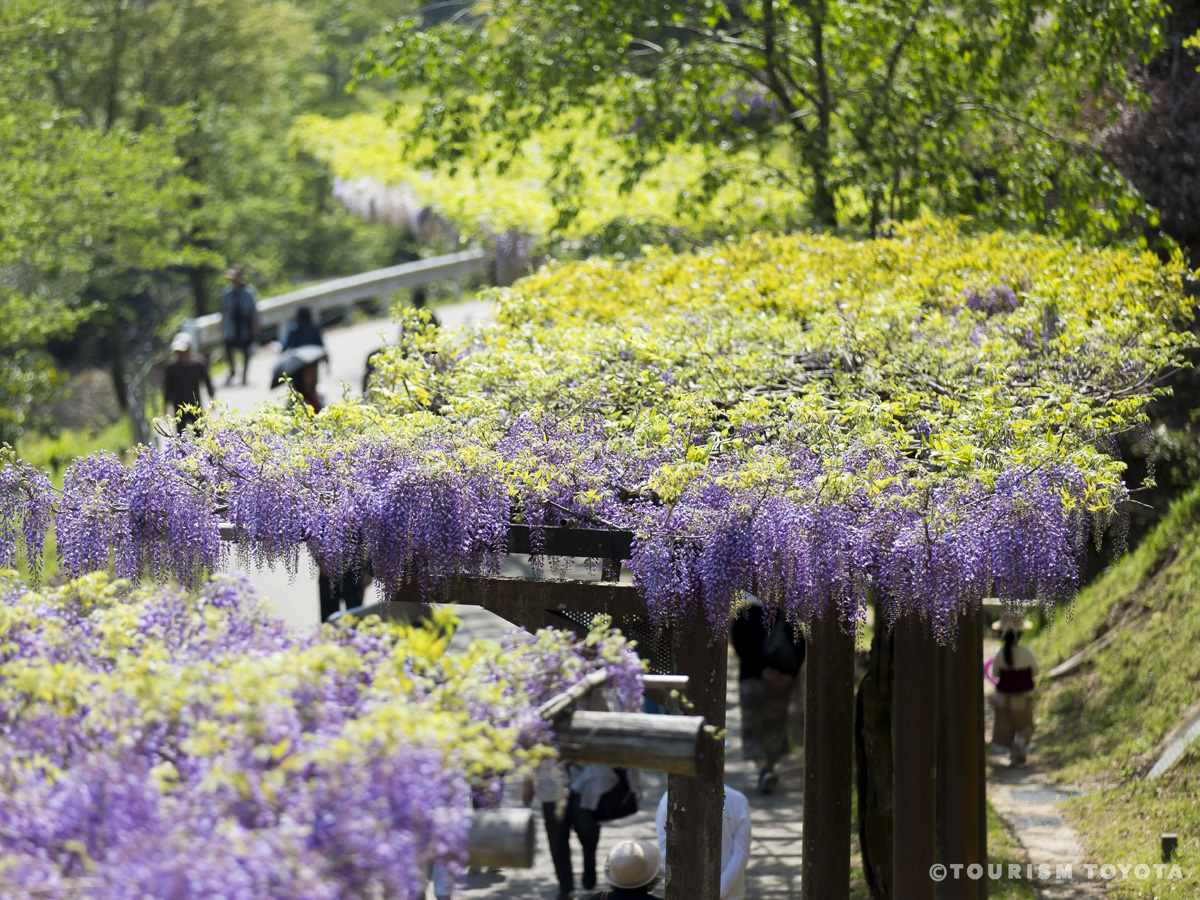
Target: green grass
[
  {"x": 1102, "y": 726},
  {"x": 55, "y": 453}
]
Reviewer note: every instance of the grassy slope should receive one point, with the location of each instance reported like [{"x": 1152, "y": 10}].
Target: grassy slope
[{"x": 1101, "y": 725}]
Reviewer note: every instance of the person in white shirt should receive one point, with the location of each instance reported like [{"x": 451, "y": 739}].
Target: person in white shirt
[{"x": 735, "y": 842}]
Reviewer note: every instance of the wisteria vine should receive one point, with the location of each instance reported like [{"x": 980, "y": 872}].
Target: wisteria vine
[
  {"x": 916, "y": 422},
  {"x": 156, "y": 743}
]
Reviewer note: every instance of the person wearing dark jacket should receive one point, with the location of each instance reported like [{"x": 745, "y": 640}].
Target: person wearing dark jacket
[
  {"x": 239, "y": 320},
  {"x": 182, "y": 379},
  {"x": 770, "y": 664},
  {"x": 302, "y": 332}
]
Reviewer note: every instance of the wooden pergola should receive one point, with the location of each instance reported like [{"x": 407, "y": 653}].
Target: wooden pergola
[{"x": 938, "y": 743}]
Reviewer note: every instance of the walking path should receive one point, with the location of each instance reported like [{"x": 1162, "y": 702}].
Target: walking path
[
  {"x": 1028, "y": 800},
  {"x": 774, "y": 870}
]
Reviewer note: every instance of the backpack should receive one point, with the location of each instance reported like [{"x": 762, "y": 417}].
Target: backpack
[{"x": 780, "y": 653}]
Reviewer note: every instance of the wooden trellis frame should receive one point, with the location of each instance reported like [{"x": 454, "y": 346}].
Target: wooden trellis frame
[{"x": 938, "y": 749}]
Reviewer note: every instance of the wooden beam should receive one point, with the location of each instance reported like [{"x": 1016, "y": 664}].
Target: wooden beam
[
  {"x": 501, "y": 838},
  {"x": 586, "y": 543},
  {"x": 696, "y": 805},
  {"x": 615, "y": 599},
  {"x": 673, "y": 744},
  {"x": 563, "y": 702},
  {"x": 828, "y": 751},
  {"x": 960, "y": 773},
  {"x": 611, "y": 545},
  {"x": 665, "y": 682},
  {"x": 914, "y": 786}
]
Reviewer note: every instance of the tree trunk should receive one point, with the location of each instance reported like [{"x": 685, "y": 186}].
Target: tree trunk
[
  {"x": 824, "y": 203},
  {"x": 198, "y": 281},
  {"x": 873, "y": 754},
  {"x": 115, "y": 348}
]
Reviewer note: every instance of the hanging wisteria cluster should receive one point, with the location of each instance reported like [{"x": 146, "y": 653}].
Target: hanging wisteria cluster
[
  {"x": 918, "y": 422},
  {"x": 175, "y": 746}
]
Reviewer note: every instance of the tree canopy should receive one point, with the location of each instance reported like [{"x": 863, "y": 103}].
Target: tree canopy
[
  {"x": 145, "y": 147},
  {"x": 889, "y": 106},
  {"x": 924, "y": 420},
  {"x": 79, "y": 205}
]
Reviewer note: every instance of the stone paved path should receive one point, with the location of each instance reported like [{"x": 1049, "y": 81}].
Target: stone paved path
[{"x": 1028, "y": 800}]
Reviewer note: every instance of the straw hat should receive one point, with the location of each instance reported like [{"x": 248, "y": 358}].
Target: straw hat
[
  {"x": 632, "y": 864},
  {"x": 1011, "y": 622}
]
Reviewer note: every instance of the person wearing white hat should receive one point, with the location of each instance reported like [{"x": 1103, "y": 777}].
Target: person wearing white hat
[
  {"x": 1014, "y": 669},
  {"x": 184, "y": 375},
  {"x": 631, "y": 871},
  {"x": 735, "y": 841}
]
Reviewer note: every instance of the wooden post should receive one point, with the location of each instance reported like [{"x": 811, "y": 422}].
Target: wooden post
[
  {"x": 501, "y": 838},
  {"x": 976, "y": 645},
  {"x": 959, "y": 759},
  {"x": 696, "y": 805},
  {"x": 672, "y": 744},
  {"x": 914, "y": 729},
  {"x": 828, "y": 751}
]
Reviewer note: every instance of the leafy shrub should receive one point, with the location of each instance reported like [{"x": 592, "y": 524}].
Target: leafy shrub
[{"x": 162, "y": 744}]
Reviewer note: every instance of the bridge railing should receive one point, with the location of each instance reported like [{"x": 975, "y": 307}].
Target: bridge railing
[{"x": 340, "y": 293}]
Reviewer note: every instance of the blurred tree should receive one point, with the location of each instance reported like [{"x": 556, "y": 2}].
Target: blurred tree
[
  {"x": 78, "y": 204},
  {"x": 982, "y": 107},
  {"x": 1156, "y": 143},
  {"x": 205, "y": 67},
  {"x": 204, "y": 90},
  {"x": 343, "y": 28}
]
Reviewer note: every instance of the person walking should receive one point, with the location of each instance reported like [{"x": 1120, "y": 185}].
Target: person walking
[
  {"x": 735, "y": 841},
  {"x": 569, "y": 797},
  {"x": 239, "y": 320},
  {"x": 303, "y": 331},
  {"x": 632, "y": 871},
  {"x": 182, "y": 379},
  {"x": 1014, "y": 670},
  {"x": 419, "y": 301},
  {"x": 770, "y": 662}
]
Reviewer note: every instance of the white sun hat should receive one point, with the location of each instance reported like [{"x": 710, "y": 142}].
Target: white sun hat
[
  {"x": 1010, "y": 621},
  {"x": 632, "y": 864},
  {"x": 182, "y": 341}
]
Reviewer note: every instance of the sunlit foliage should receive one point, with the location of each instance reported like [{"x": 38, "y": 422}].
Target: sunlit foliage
[{"x": 924, "y": 420}]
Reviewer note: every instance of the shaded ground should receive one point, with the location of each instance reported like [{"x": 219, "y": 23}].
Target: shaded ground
[{"x": 774, "y": 870}]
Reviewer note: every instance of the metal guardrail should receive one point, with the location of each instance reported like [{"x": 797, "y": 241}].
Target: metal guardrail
[{"x": 275, "y": 312}]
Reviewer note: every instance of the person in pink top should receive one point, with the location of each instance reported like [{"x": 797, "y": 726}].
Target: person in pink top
[{"x": 1013, "y": 671}]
